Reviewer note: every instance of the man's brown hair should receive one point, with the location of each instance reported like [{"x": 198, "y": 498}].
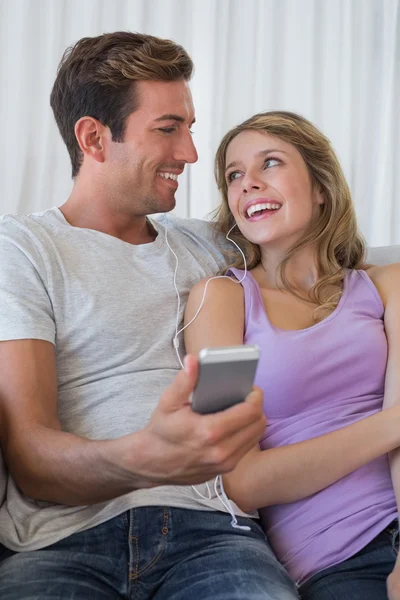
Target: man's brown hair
[{"x": 96, "y": 78}]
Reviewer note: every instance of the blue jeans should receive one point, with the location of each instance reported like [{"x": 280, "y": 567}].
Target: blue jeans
[
  {"x": 151, "y": 552},
  {"x": 361, "y": 577}
]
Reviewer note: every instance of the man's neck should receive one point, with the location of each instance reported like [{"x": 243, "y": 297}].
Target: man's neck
[{"x": 89, "y": 213}]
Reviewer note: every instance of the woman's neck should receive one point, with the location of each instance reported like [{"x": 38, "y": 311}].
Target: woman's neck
[{"x": 301, "y": 271}]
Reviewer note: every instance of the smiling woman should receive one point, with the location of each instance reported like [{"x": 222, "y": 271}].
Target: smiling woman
[
  {"x": 281, "y": 159},
  {"x": 326, "y": 326}
]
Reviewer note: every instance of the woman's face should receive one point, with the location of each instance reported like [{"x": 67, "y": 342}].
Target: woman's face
[{"x": 270, "y": 191}]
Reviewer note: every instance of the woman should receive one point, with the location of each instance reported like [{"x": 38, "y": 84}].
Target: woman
[{"x": 328, "y": 332}]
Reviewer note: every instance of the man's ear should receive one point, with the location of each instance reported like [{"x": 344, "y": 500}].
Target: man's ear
[{"x": 91, "y": 134}]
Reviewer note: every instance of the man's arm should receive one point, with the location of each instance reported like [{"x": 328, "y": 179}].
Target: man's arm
[
  {"x": 295, "y": 471},
  {"x": 177, "y": 447}
]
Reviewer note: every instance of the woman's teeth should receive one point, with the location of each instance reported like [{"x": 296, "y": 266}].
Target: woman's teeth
[{"x": 262, "y": 206}]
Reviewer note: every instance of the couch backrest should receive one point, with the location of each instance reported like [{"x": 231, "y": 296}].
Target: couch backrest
[{"x": 384, "y": 255}]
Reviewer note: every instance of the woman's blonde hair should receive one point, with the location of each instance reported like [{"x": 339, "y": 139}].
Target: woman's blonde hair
[{"x": 334, "y": 232}]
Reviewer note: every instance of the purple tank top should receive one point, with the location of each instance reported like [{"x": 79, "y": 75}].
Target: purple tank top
[{"x": 317, "y": 380}]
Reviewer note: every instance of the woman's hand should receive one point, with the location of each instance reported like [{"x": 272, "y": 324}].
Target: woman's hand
[{"x": 393, "y": 582}]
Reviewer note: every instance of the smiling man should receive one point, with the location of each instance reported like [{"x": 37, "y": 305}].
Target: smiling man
[{"x": 97, "y": 432}]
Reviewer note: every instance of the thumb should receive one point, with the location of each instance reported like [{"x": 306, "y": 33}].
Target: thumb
[
  {"x": 256, "y": 396},
  {"x": 178, "y": 393}
]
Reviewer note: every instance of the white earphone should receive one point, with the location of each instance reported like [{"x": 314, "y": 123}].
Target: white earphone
[
  {"x": 221, "y": 495},
  {"x": 178, "y": 331}
]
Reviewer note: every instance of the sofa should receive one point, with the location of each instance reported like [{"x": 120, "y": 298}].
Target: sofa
[{"x": 384, "y": 255}]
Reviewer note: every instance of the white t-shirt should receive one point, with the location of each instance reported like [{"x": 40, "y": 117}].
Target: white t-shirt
[{"x": 109, "y": 308}]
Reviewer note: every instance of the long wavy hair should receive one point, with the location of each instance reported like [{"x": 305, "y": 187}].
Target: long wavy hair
[{"x": 333, "y": 233}]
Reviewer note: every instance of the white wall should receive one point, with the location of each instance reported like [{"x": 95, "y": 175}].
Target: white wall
[{"x": 337, "y": 62}]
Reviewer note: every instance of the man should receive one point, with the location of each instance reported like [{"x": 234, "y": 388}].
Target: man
[{"x": 99, "y": 500}]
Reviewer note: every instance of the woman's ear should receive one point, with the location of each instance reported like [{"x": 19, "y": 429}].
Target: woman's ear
[{"x": 319, "y": 196}]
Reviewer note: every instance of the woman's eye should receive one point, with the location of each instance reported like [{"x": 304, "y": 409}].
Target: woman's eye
[
  {"x": 233, "y": 175},
  {"x": 271, "y": 162}
]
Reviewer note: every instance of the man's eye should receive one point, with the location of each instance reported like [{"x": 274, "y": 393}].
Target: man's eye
[{"x": 167, "y": 129}]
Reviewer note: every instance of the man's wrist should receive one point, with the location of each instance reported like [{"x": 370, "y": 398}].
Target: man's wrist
[{"x": 131, "y": 458}]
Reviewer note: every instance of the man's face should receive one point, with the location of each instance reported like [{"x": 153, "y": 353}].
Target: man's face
[{"x": 157, "y": 145}]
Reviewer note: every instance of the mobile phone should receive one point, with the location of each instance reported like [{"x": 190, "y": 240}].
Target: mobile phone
[{"x": 226, "y": 376}]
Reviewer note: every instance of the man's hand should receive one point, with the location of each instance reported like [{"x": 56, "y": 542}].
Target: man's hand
[
  {"x": 183, "y": 447},
  {"x": 393, "y": 583},
  {"x": 178, "y": 446}
]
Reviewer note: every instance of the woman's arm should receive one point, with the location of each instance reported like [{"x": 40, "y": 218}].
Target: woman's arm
[
  {"x": 292, "y": 472},
  {"x": 387, "y": 281},
  {"x": 220, "y": 321}
]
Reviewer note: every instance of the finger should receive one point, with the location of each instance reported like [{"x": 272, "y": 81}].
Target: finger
[
  {"x": 228, "y": 422},
  {"x": 242, "y": 442},
  {"x": 227, "y": 457},
  {"x": 256, "y": 396},
  {"x": 235, "y": 458},
  {"x": 190, "y": 363},
  {"x": 177, "y": 394}
]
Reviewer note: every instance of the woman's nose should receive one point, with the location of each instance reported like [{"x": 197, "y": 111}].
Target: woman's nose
[{"x": 250, "y": 183}]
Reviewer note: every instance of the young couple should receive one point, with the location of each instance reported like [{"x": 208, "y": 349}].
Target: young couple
[{"x": 101, "y": 445}]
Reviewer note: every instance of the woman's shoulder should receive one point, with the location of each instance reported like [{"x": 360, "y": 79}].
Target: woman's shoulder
[
  {"x": 219, "y": 304},
  {"x": 219, "y": 287},
  {"x": 386, "y": 279},
  {"x": 383, "y": 272}
]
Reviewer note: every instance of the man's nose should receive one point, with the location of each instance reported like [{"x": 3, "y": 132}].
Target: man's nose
[{"x": 186, "y": 150}]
